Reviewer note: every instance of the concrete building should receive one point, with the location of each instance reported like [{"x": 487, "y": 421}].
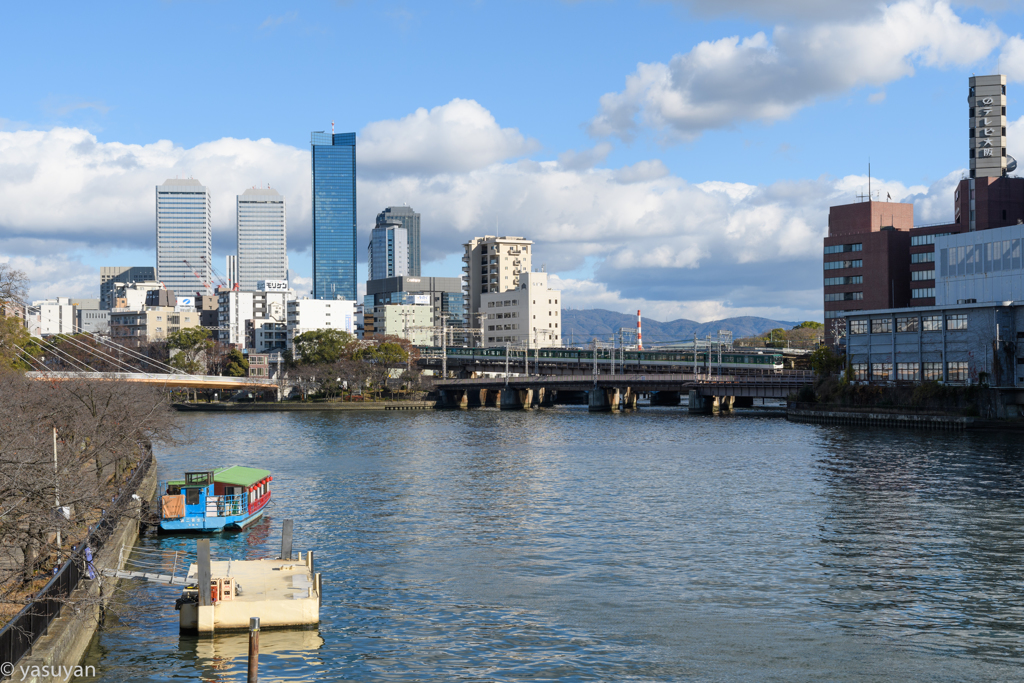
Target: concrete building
[
  {"x": 232, "y": 270},
  {"x": 208, "y": 307},
  {"x": 410, "y": 220},
  {"x": 308, "y": 315},
  {"x": 151, "y": 324},
  {"x": 184, "y": 232},
  {"x": 875, "y": 258},
  {"x": 262, "y": 242},
  {"x": 409, "y": 321},
  {"x": 958, "y": 344},
  {"x": 529, "y": 316},
  {"x": 92, "y": 320},
  {"x": 239, "y": 313},
  {"x": 388, "y": 251},
  {"x": 111, "y": 275},
  {"x": 444, "y": 294},
  {"x": 492, "y": 264},
  {"x": 132, "y": 295},
  {"x": 52, "y": 316},
  {"x": 979, "y": 267}
]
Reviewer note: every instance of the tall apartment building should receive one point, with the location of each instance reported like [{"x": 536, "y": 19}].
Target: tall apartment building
[
  {"x": 334, "y": 215},
  {"x": 239, "y": 313},
  {"x": 410, "y": 220},
  {"x": 388, "y": 251},
  {"x": 530, "y": 315},
  {"x": 262, "y": 242},
  {"x": 492, "y": 264},
  {"x": 184, "y": 231},
  {"x": 111, "y": 275},
  {"x": 874, "y": 257}
]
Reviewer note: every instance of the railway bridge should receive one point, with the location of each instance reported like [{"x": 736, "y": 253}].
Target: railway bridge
[{"x": 613, "y": 392}]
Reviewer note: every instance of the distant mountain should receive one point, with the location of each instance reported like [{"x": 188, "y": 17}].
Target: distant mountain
[{"x": 580, "y": 326}]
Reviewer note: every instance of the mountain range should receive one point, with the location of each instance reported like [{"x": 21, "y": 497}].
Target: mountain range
[{"x": 580, "y": 326}]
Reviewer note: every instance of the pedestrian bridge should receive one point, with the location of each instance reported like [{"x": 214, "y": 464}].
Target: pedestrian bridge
[
  {"x": 170, "y": 380},
  {"x": 613, "y": 392}
]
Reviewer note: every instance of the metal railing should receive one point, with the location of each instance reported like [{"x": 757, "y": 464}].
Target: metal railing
[
  {"x": 23, "y": 630},
  {"x": 228, "y": 506}
]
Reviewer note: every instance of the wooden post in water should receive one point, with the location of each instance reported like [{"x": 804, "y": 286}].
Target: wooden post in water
[
  {"x": 254, "y": 649},
  {"x": 204, "y": 573},
  {"x": 286, "y": 540}
]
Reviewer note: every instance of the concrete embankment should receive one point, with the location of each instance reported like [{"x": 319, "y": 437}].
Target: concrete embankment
[
  {"x": 880, "y": 419},
  {"x": 284, "y": 407},
  {"x": 69, "y": 635}
]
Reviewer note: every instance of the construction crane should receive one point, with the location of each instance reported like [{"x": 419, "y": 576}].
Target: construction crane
[
  {"x": 206, "y": 285},
  {"x": 221, "y": 280}
]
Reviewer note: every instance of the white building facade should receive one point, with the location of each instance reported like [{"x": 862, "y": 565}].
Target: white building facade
[
  {"x": 262, "y": 240},
  {"x": 184, "y": 232},
  {"x": 408, "y": 321},
  {"x": 52, "y": 316},
  {"x": 529, "y": 316},
  {"x": 492, "y": 264},
  {"x": 309, "y": 315}
]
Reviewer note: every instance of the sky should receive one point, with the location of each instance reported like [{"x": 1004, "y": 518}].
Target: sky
[{"x": 674, "y": 156}]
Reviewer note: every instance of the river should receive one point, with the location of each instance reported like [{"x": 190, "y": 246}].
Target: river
[{"x": 643, "y": 546}]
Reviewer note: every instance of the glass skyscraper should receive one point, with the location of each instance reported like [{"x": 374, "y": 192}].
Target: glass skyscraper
[
  {"x": 262, "y": 246},
  {"x": 410, "y": 220},
  {"x": 184, "y": 231},
  {"x": 334, "y": 215},
  {"x": 388, "y": 253}
]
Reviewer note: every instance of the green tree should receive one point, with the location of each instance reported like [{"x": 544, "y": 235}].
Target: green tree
[
  {"x": 235, "y": 364},
  {"x": 775, "y": 339},
  {"x": 809, "y": 324},
  {"x": 191, "y": 344},
  {"x": 381, "y": 359},
  {"x": 323, "y": 347},
  {"x": 824, "y": 361}
]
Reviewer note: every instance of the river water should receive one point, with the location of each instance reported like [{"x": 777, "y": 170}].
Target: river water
[{"x": 646, "y": 546}]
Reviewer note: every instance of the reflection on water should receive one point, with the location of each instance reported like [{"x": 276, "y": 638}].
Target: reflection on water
[{"x": 561, "y": 545}]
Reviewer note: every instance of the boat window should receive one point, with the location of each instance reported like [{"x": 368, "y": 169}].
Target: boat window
[{"x": 192, "y": 496}]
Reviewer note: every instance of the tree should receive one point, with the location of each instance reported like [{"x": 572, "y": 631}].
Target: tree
[
  {"x": 323, "y": 347},
  {"x": 236, "y": 364},
  {"x": 381, "y": 359},
  {"x": 810, "y": 324},
  {"x": 775, "y": 338},
  {"x": 13, "y": 287},
  {"x": 191, "y": 343},
  {"x": 826, "y": 362}
]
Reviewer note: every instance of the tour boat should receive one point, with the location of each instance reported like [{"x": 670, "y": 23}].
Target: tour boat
[{"x": 230, "y": 498}]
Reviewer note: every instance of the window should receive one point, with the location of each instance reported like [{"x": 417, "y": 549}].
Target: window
[
  {"x": 956, "y": 371},
  {"x": 880, "y": 372},
  {"x": 923, "y": 293},
  {"x": 191, "y": 496},
  {"x": 921, "y": 240},
  {"x": 956, "y": 322},
  {"x": 906, "y": 324},
  {"x": 840, "y": 248},
  {"x": 932, "y": 372},
  {"x": 922, "y": 275},
  {"x": 860, "y": 371},
  {"x": 833, "y": 265},
  {"x": 926, "y": 257},
  {"x": 881, "y": 325},
  {"x": 848, "y": 280},
  {"x": 858, "y": 327},
  {"x": 907, "y": 372},
  {"x": 931, "y": 323},
  {"x": 845, "y": 296}
]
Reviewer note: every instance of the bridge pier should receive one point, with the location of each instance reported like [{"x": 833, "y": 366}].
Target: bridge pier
[
  {"x": 629, "y": 399},
  {"x": 604, "y": 400},
  {"x": 454, "y": 398},
  {"x": 665, "y": 398},
  {"x": 516, "y": 399},
  {"x": 706, "y": 405}
]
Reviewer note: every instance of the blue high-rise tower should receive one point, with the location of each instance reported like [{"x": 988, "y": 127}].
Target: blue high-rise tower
[{"x": 334, "y": 215}]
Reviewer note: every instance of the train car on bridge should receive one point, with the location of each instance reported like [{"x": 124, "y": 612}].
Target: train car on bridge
[{"x": 733, "y": 361}]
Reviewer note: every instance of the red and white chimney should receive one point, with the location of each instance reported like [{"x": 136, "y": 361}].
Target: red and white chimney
[{"x": 639, "y": 338}]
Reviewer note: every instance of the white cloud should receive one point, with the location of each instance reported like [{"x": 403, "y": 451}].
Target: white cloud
[
  {"x": 720, "y": 83},
  {"x": 651, "y": 238},
  {"x": 55, "y": 275},
  {"x": 1011, "y": 59},
  {"x": 456, "y": 137},
  {"x": 588, "y": 158},
  {"x": 877, "y": 97}
]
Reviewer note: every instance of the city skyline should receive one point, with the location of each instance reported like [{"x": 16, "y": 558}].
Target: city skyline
[{"x": 685, "y": 169}]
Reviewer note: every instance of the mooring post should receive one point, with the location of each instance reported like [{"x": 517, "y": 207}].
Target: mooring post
[
  {"x": 205, "y": 574},
  {"x": 286, "y": 540},
  {"x": 254, "y": 649}
]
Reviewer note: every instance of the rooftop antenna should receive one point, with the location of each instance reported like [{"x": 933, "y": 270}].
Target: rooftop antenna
[{"x": 869, "y": 179}]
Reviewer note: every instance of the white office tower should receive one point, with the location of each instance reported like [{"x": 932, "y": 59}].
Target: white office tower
[
  {"x": 388, "y": 253},
  {"x": 262, "y": 246},
  {"x": 184, "y": 232},
  {"x": 232, "y": 267}
]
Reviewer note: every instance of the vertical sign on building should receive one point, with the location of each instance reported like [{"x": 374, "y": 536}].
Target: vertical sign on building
[{"x": 987, "y": 98}]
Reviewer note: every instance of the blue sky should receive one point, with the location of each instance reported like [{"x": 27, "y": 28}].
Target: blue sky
[{"x": 675, "y": 156}]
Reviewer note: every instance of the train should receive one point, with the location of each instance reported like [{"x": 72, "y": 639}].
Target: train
[{"x": 679, "y": 360}]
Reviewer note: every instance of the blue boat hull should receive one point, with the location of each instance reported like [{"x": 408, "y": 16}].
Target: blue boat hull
[{"x": 210, "y": 524}]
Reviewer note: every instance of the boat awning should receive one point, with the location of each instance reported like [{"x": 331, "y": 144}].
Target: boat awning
[{"x": 240, "y": 476}]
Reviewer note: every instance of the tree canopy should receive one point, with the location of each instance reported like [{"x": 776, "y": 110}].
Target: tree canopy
[
  {"x": 323, "y": 347},
  {"x": 809, "y": 324},
  {"x": 236, "y": 365},
  {"x": 191, "y": 344}
]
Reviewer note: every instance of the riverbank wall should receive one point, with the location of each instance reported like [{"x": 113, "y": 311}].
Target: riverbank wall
[
  {"x": 68, "y": 637},
  {"x": 874, "y": 417},
  {"x": 300, "y": 407}
]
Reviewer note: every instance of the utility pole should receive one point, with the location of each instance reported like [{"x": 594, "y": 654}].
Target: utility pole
[{"x": 56, "y": 484}]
